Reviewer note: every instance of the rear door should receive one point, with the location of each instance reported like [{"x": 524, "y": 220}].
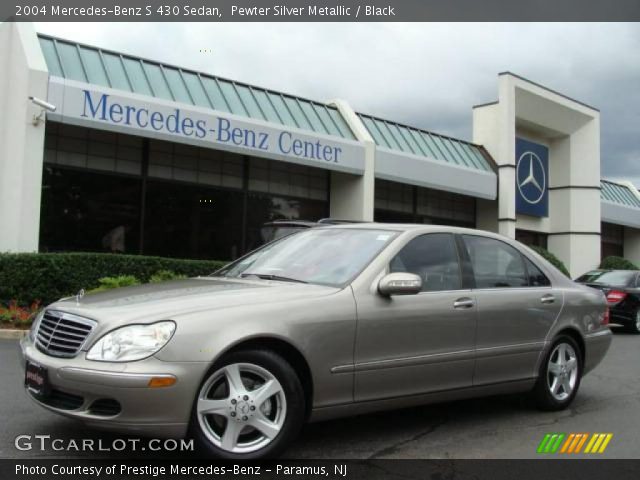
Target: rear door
[{"x": 517, "y": 306}]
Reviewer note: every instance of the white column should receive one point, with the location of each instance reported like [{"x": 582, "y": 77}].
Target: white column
[
  {"x": 494, "y": 127},
  {"x": 506, "y": 157},
  {"x": 353, "y": 196},
  {"x": 576, "y": 218},
  {"x": 23, "y": 73}
]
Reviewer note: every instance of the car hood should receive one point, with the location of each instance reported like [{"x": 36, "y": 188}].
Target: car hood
[{"x": 169, "y": 299}]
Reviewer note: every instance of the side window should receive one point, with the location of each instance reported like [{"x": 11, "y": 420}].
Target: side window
[
  {"x": 495, "y": 263},
  {"x": 433, "y": 257},
  {"x": 536, "y": 277}
]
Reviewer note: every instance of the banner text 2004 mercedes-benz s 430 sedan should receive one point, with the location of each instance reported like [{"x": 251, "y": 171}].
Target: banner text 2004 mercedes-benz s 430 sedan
[{"x": 327, "y": 322}]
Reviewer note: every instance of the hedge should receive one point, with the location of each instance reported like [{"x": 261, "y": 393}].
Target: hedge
[
  {"x": 26, "y": 277},
  {"x": 552, "y": 259},
  {"x": 617, "y": 263}
]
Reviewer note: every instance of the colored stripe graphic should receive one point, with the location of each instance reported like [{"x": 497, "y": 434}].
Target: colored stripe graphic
[
  {"x": 598, "y": 443},
  {"x": 551, "y": 442},
  {"x": 568, "y": 442},
  {"x": 573, "y": 443}
]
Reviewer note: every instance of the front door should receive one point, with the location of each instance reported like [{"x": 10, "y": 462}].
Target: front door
[{"x": 422, "y": 343}]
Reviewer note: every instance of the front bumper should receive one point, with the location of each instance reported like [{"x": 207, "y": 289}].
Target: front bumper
[{"x": 76, "y": 384}]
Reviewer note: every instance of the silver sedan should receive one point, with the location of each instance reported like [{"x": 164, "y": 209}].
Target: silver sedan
[{"x": 324, "y": 323}]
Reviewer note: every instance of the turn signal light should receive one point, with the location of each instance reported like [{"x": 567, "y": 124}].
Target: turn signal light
[
  {"x": 158, "y": 382},
  {"x": 615, "y": 296},
  {"x": 605, "y": 317}
]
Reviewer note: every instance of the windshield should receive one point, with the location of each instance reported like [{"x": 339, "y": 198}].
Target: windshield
[
  {"x": 619, "y": 278},
  {"x": 273, "y": 232},
  {"x": 331, "y": 256}
]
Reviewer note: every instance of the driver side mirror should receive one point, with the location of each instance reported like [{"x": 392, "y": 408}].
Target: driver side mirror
[{"x": 399, "y": 283}]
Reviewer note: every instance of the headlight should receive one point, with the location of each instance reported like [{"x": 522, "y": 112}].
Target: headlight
[
  {"x": 133, "y": 342},
  {"x": 34, "y": 325}
]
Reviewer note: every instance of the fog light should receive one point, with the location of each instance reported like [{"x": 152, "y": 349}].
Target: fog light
[{"x": 157, "y": 382}]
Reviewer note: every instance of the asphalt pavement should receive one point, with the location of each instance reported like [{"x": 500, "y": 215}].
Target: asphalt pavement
[{"x": 495, "y": 427}]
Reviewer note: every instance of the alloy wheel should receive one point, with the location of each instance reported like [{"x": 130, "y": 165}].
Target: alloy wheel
[
  {"x": 241, "y": 408},
  {"x": 562, "y": 371}
]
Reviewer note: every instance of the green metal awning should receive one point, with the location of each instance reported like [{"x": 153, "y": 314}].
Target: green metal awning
[
  {"x": 414, "y": 141},
  {"x": 75, "y": 61},
  {"x": 617, "y": 193}
]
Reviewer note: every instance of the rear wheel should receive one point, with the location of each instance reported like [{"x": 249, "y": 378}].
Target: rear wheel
[
  {"x": 559, "y": 376},
  {"x": 250, "y": 406}
]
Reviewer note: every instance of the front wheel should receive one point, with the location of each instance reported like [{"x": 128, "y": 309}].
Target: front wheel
[
  {"x": 250, "y": 406},
  {"x": 559, "y": 376}
]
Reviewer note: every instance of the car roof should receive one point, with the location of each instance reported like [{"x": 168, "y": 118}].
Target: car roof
[
  {"x": 298, "y": 223},
  {"x": 617, "y": 270},
  {"x": 406, "y": 227}
]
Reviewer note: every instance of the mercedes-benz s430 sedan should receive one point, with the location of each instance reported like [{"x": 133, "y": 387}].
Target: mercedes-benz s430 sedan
[{"x": 327, "y": 322}]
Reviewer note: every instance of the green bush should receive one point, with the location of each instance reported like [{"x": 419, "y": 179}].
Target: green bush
[
  {"x": 109, "y": 283},
  {"x": 552, "y": 259},
  {"x": 617, "y": 263},
  {"x": 26, "y": 277},
  {"x": 165, "y": 276}
]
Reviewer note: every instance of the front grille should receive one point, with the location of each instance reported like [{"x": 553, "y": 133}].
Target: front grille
[{"x": 62, "y": 334}]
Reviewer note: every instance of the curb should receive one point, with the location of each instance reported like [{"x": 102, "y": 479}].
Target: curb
[{"x": 10, "y": 334}]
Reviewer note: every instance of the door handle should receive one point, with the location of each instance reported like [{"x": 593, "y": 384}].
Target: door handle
[
  {"x": 548, "y": 298},
  {"x": 463, "y": 303}
]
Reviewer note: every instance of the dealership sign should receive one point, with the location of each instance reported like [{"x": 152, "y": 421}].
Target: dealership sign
[
  {"x": 532, "y": 178},
  {"x": 90, "y": 106}
]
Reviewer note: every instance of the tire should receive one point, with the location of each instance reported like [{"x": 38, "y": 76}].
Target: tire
[
  {"x": 270, "y": 396},
  {"x": 634, "y": 326},
  {"x": 558, "y": 384}
]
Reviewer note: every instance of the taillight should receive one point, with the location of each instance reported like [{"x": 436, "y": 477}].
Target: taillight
[
  {"x": 615, "y": 296},
  {"x": 604, "y": 320}
]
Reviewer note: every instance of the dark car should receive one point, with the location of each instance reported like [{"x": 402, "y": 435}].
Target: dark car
[
  {"x": 590, "y": 276},
  {"x": 622, "y": 288}
]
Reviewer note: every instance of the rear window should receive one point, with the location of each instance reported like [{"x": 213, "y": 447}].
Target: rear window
[{"x": 618, "y": 278}]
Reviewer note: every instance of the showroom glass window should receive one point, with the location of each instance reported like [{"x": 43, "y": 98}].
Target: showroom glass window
[
  {"x": 81, "y": 213},
  {"x": 495, "y": 263},
  {"x": 283, "y": 191},
  {"x": 103, "y": 191},
  {"x": 191, "y": 221},
  {"x": 90, "y": 191},
  {"x": 433, "y": 257},
  {"x": 400, "y": 203},
  {"x": 612, "y": 240}
]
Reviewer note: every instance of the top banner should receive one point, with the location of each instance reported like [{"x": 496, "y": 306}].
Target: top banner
[{"x": 320, "y": 11}]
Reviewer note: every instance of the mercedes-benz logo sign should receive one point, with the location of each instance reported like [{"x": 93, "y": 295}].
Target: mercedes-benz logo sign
[{"x": 535, "y": 178}]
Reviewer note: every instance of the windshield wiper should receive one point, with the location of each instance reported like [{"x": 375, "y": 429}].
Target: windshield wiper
[{"x": 268, "y": 276}]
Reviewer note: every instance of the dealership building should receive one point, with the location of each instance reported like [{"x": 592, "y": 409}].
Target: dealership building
[{"x": 146, "y": 158}]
